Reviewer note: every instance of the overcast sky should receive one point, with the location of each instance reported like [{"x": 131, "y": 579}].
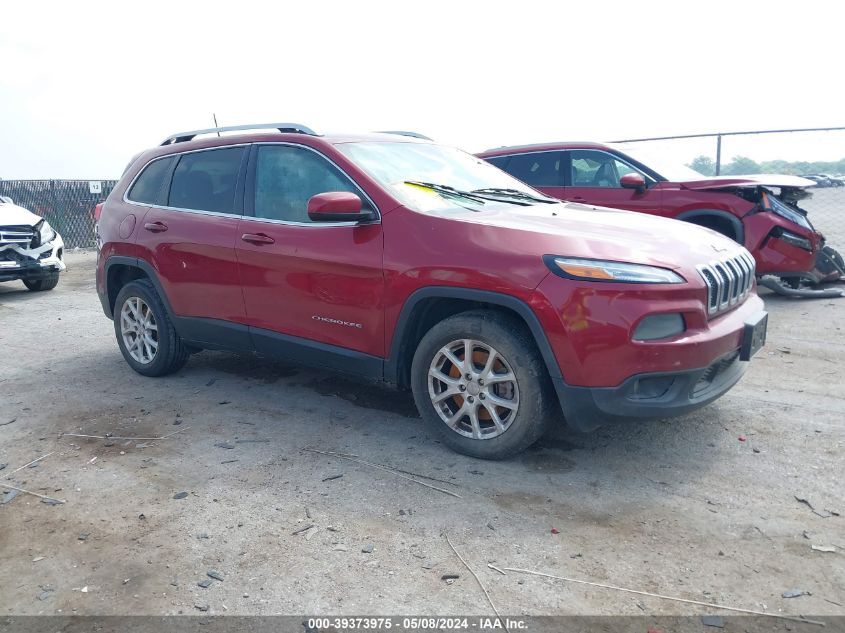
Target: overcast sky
[{"x": 86, "y": 85}]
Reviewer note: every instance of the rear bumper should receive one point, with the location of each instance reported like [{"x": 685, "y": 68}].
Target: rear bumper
[{"x": 650, "y": 395}]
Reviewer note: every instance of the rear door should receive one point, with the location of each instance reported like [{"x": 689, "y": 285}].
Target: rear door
[
  {"x": 319, "y": 282},
  {"x": 593, "y": 178},
  {"x": 542, "y": 170},
  {"x": 189, "y": 237}
]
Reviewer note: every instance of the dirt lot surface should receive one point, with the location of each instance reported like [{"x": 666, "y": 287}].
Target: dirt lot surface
[{"x": 702, "y": 507}]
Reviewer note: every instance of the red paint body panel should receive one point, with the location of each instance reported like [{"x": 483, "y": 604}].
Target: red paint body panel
[{"x": 333, "y": 272}]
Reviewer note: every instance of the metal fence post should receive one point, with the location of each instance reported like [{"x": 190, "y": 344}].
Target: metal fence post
[{"x": 718, "y": 154}]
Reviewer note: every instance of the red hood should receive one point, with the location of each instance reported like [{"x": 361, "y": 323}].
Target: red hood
[
  {"x": 756, "y": 180},
  {"x": 578, "y": 230}
]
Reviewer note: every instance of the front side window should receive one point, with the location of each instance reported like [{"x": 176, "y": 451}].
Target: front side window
[
  {"x": 598, "y": 169},
  {"x": 206, "y": 180},
  {"x": 538, "y": 169},
  {"x": 286, "y": 177},
  {"x": 149, "y": 184}
]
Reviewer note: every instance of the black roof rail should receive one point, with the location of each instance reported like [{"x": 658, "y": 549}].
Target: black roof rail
[
  {"x": 297, "y": 128},
  {"x": 403, "y": 133}
]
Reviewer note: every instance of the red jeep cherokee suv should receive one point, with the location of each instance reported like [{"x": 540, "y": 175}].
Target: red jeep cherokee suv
[
  {"x": 771, "y": 226},
  {"x": 405, "y": 261}
]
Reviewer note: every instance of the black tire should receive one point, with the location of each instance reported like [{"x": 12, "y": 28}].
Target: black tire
[
  {"x": 511, "y": 340},
  {"x": 45, "y": 283},
  {"x": 172, "y": 353}
]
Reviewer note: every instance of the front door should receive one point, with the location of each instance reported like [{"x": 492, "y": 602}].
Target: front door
[
  {"x": 307, "y": 284},
  {"x": 593, "y": 178}
]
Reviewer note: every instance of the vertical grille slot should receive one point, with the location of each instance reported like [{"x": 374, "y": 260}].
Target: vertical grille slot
[{"x": 728, "y": 281}]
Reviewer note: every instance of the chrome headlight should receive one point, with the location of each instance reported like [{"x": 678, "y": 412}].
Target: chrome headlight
[
  {"x": 619, "y": 272},
  {"x": 46, "y": 234}
]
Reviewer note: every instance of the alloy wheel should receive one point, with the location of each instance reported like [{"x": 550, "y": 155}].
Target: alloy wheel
[
  {"x": 139, "y": 330},
  {"x": 473, "y": 389}
]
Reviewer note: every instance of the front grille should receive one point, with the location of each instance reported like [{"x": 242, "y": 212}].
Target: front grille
[
  {"x": 728, "y": 281},
  {"x": 16, "y": 235}
]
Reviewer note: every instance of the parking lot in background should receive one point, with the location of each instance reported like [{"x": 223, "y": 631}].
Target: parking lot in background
[{"x": 704, "y": 507}]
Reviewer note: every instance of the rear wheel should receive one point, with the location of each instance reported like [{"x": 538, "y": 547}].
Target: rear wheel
[
  {"x": 481, "y": 385},
  {"x": 145, "y": 334},
  {"x": 44, "y": 283}
]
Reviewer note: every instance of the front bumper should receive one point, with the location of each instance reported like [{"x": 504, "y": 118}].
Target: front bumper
[
  {"x": 649, "y": 396},
  {"x": 24, "y": 263}
]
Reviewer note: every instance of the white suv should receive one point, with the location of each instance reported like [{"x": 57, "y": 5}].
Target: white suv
[{"x": 30, "y": 250}]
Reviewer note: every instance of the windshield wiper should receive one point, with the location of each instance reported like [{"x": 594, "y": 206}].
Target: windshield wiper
[
  {"x": 515, "y": 193},
  {"x": 446, "y": 190}
]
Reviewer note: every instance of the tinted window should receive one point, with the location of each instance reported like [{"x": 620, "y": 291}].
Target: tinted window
[
  {"x": 149, "y": 184},
  {"x": 287, "y": 177},
  {"x": 540, "y": 169},
  {"x": 206, "y": 180},
  {"x": 499, "y": 161},
  {"x": 598, "y": 169}
]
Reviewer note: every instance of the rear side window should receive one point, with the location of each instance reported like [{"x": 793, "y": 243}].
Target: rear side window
[
  {"x": 539, "y": 169},
  {"x": 148, "y": 186},
  {"x": 206, "y": 180}
]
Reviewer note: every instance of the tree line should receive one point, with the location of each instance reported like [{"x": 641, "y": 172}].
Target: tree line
[{"x": 744, "y": 165}]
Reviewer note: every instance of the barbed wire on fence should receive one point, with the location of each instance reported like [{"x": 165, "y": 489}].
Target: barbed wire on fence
[{"x": 68, "y": 205}]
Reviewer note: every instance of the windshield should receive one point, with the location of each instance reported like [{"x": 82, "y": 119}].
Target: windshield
[
  {"x": 402, "y": 168},
  {"x": 668, "y": 169}
]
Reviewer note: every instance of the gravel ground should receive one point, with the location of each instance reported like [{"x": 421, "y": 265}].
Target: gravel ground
[{"x": 702, "y": 507}]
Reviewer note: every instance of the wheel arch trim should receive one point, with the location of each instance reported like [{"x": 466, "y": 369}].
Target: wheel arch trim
[
  {"x": 393, "y": 364},
  {"x": 735, "y": 222}
]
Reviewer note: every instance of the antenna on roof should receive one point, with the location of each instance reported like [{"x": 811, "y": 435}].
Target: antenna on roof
[{"x": 215, "y": 123}]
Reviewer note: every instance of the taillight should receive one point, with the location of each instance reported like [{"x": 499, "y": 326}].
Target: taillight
[{"x": 98, "y": 209}]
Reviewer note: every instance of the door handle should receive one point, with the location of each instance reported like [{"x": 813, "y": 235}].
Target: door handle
[
  {"x": 155, "y": 227},
  {"x": 257, "y": 238},
  {"x": 578, "y": 199}
]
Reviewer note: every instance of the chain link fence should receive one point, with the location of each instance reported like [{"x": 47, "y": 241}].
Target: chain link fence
[{"x": 68, "y": 205}]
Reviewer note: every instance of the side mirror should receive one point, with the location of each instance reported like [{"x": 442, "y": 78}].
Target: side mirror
[
  {"x": 633, "y": 181},
  {"x": 336, "y": 206}
]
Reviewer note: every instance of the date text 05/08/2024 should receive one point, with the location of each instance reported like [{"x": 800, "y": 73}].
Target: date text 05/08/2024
[{"x": 424, "y": 623}]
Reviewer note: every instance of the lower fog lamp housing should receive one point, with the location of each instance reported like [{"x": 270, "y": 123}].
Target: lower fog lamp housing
[{"x": 659, "y": 326}]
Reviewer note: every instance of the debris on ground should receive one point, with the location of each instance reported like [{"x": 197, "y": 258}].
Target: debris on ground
[
  {"x": 225, "y": 445},
  {"x": 203, "y": 535},
  {"x": 303, "y": 529},
  {"x": 742, "y": 438},
  {"x": 205, "y": 584},
  {"x": 795, "y": 593},
  {"x": 8, "y": 423},
  {"x": 368, "y": 548},
  {"x": 11, "y": 494},
  {"x": 450, "y": 578},
  {"x": 37, "y": 558},
  {"x": 675, "y": 598},
  {"x": 807, "y": 503},
  {"x": 109, "y": 436},
  {"x": 180, "y": 495},
  {"x": 823, "y": 548},
  {"x": 713, "y": 620},
  {"x": 213, "y": 573},
  {"x": 84, "y": 536},
  {"x": 389, "y": 469},
  {"x": 201, "y": 607},
  {"x": 333, "y": 477},
  {"x": 555, "y": 531}
]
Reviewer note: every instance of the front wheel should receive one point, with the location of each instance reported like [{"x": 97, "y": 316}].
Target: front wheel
[
  {"x": 480, "y": 384},
  {"x": 50, "y": 281}
]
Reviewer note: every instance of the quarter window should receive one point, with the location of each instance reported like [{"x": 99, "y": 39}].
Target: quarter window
[
  {"x": 538, "y": 169},
  {"x": 206, "y": 180},
  {"x": 598, "y": 169},
  {"x": 150, "y": 183},
  {"x": 286, "y": 177}
]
